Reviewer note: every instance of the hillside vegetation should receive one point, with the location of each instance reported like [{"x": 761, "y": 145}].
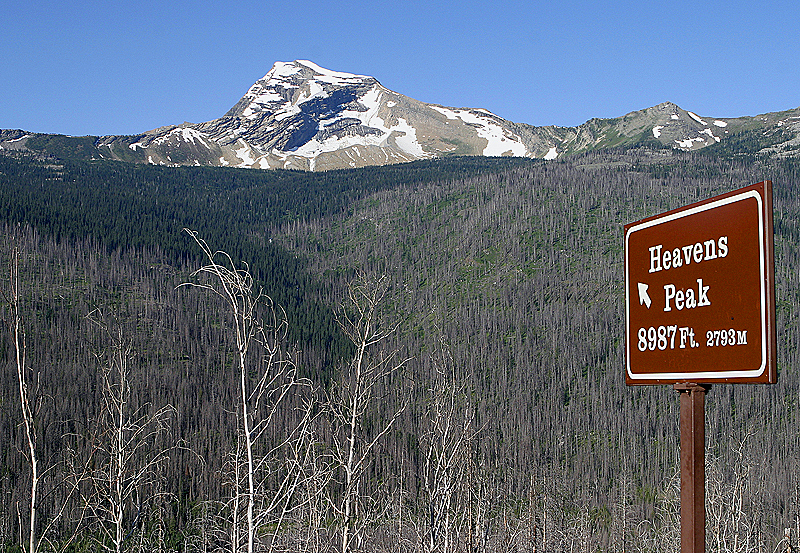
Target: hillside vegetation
[{"x": 495, "y": 417}]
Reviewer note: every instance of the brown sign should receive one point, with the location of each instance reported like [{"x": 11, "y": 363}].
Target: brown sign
[{"x": 699, "y": 292}]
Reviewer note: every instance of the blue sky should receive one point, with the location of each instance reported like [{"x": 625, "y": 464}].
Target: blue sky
[{"x": 121, "y": 67}]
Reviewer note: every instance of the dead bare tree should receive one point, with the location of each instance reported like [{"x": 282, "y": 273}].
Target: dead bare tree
[
  {"x": 622, "y": 510},
  {"x": 40, "y": 534},
  {"x": 732, "y": 503},
  {"x": 353, "y": 398},
  {"x": 27, "y": 400},
  {"x": 266, "y": 468},
  {"x": 660, "y": 534},
  {"x": 126, "y": 449},
  {"x": 446, "y": 447}
]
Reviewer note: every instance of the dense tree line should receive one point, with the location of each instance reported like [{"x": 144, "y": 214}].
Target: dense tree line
[
  {"x": 123, "y": 205},
  {"x": 506, "y": 279}
]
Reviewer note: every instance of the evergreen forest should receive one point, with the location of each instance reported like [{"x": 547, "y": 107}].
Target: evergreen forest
[{"x": 418, "y": 357}]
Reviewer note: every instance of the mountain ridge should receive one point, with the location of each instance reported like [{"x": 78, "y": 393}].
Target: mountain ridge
[{"x": 302, "y": 116}]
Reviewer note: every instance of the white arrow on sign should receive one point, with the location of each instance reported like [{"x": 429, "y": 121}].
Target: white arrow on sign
[{"x": 643, "y": 296}]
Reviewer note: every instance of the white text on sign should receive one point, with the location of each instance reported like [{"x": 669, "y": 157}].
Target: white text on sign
[
  {"x": 663, "y": 337},
  {"x": 664, "y": 259},
  {"x": 686, "y": 298}
]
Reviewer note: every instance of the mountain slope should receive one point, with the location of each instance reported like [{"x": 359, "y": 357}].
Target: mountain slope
[
  {"x": 302, "y": 116},
  {"x": 506, "y": 272}
]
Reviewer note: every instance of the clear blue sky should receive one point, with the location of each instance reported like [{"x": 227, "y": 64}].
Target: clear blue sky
[{"x": 122, "y": 67}]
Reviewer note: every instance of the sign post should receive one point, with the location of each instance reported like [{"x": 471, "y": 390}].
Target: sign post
[
  {"x": 693, "y": 467},
  {"x": 700, "y": 309}
]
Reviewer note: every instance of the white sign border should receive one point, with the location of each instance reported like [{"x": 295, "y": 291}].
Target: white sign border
[{"x": 704, "y": 376}]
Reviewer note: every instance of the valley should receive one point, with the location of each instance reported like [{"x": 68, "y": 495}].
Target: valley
[{"x": 500, "y": 313}]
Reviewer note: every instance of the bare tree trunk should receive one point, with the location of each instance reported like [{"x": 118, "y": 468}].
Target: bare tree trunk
[
  {"x": 262, "y": 397},
  {"x": 248, "y": 438},
  {"x": 40, "y": 530},
  {"x": 27, "y": 397},
  {"x": 234, "y": 533},
  {"x": 349, "y": 467},
  {"x": 24, "y": 397},
  {"x": 446, "y": 448},
  {"x": 353, "y": 398},
  {"x": 128, "y": 464}
]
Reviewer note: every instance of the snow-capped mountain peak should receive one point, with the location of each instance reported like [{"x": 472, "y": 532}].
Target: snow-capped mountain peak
[
  {"x": 303, "y": 116},
  {"x": 292, "y": 83}
]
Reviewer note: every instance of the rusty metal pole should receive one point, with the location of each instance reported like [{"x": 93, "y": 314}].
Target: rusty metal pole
[{"x": 693, "y": 469}]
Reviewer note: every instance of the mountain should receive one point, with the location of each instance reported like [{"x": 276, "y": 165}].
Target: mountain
[
  {"x": 302, "y": 116},
  {"x": 506, "y": 281}
]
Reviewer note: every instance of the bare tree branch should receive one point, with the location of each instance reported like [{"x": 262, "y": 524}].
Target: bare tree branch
[{"x": 267, "y": 472}]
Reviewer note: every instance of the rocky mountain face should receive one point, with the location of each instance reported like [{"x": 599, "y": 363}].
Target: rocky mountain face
[{"x": 302, "y": 116}]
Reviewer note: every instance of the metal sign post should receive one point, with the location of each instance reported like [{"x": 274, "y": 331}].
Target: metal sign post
[
  {"x": 693, "y": 467},
  {"x": 699, "y": 309}
]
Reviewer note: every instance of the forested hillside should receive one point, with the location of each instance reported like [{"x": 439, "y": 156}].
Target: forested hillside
[{"x": 491, "y": 415}]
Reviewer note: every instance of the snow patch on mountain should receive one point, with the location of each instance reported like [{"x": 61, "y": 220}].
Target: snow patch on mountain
[
  {"x": 282, "y": 70},
  {"x": 190, "y": 135},
  {"x": 450, "y": 114},
  {"x": 710, "y": 133},
  {"x": 261, "y": 102},
  {"x": 500, "y": 141},
  {"x": 689, "y": 142},
  {"x": 245, "y": 153},
  {"x": 696, "y": 118},
  {"x": 333, "y": 77},
  {"x": 407, "y": 139}
]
